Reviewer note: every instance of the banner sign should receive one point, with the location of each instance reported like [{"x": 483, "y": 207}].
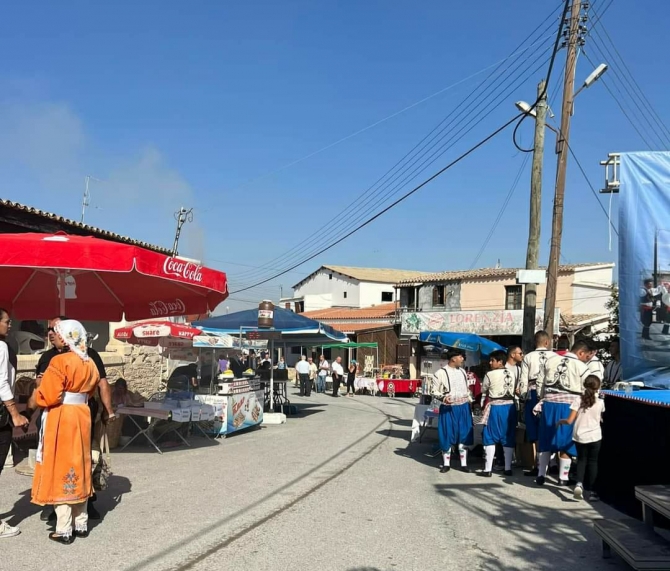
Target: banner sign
[
  {"x": 644, "y": 267},
  {"x": 495, "y": 322}
]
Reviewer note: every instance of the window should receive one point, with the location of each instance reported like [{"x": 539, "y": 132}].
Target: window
[
  {"x": 514, "y": 297},
  {"x": 345, "y": 295},
  {"x": 387, "y": 296},
  {"x": 330, "y": 276},
  {"x": 295, "y": 350},
  {"x": 411, "y": 297},
  {"x": 439, "y": 296}
]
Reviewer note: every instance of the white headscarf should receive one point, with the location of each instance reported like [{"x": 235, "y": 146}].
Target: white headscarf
[{"x": 74, "y": 336}]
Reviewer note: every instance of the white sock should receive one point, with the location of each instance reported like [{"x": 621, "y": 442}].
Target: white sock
[
  {"x": 509, "y": 454},
  {"x": 446, "y": 458},
  {"x": 490, "y": 451},
  {"x": 543, "y": 463},
  {"x": 564, "y": 468},
  {"x": 463, "y": 453}
]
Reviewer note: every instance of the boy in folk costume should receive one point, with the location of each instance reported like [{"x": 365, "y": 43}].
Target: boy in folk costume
[
  {"x": 563, "y": 380},
  {"x": 532, "y": 367},
  {"x": 454, "y": 426},
  {"x": 500, "y": 416}
]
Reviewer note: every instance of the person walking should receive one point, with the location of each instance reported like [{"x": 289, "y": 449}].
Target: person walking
[
  {"x": 324, "y": 368},
  {"x": 338, "y": 373},
  {"x": 9, "y": 415},
  {"x": 351, "y": 379},
  {"x": 586, "y": 414},
  {"x": 302, "y": 370},
  {"x": 63, "y": 475}
]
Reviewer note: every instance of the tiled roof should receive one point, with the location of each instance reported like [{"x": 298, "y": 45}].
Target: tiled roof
[
  {"x": 354, "y": 327},
  {"x": 379, "y": 275},
  {"x": 486, "y": 273},
  {"x": 576, "y": 319},
  {"x": 353, "y": 313},
  {"x": 78, "y": 228}
]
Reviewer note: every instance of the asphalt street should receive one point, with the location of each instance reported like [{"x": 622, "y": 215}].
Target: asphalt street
[{"x": 337, "y": 487}]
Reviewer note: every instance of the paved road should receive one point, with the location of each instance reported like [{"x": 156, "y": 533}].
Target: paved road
[{"x": 338, "y": 487}]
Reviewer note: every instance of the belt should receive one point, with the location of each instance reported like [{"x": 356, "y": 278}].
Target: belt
[{"x": 75, "y": 398}]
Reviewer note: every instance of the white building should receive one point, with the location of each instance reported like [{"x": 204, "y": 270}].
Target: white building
[{"x": 343, "y": 286}]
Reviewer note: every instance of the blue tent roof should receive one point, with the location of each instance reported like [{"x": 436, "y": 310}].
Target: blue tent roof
[
  {"x": 295, "y": 328},
  {"x": 465, "y": 341}
]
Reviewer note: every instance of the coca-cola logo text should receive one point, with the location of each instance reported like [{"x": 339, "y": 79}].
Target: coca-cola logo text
[
  {"x": 158, "y": 308},
  {"x": 183, "y": 269}
]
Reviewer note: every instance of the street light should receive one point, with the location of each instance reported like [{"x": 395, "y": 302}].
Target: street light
[{"x": 527, "y": 108}]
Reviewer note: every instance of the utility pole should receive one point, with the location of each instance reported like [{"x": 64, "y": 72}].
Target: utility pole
[
  {"x": 533, "y": 251},
  {"x": 573, "y": 42},
  {"x": 86, "y": 200},
  {"x": 181, "y": 216}
]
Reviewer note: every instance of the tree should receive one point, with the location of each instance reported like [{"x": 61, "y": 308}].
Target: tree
[{"x": 612, "y": 306}]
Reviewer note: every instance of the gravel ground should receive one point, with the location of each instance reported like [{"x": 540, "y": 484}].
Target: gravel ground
[{"x": 338, "y": 487}]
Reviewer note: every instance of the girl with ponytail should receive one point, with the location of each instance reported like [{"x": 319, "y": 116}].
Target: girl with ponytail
[{"x": 586, "y": 414}]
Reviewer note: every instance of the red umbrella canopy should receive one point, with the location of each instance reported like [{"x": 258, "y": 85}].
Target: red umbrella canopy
[
  {"x": 150, "y": 332},
  {"x": 86, "y": 278}
]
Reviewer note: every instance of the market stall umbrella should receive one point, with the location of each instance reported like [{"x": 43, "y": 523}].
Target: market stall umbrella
[
  {"x": 151, "y": 332},
  {"x": 466, "y": 341},
  {"x": 42, "y": 275}
]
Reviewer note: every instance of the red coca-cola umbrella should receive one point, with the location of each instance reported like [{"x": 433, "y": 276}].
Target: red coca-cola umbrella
[
  {"x": 153, "y": 332},
  {"x": 42, "y": 275}
]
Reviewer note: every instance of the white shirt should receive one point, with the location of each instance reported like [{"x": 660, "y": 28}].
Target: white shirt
[
  {"x": 337, "y": 368},
  {"x": 587, "y": 424},
  {"x": 532, "y": 367},
  {"x": 302, "y": 367},
  {"x": 323, "y": 367},
  {"x": 613, "y": 372},
  {"x": 500, "y": 384},
  {"x": 515, "y": 370},
  {"x": 563, "y": 374},
  {"x": 450, "y": 381},
  {"x": 7, "y": 374},
  {"x": 596, "y": 368}
]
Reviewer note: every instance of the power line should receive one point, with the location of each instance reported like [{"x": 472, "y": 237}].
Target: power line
[
  {"x": 398, "y": 201},
  {"x": 501, "y": 212},
  {"x": 469, "y": 125},
  {"x": 466, "y": 100}
]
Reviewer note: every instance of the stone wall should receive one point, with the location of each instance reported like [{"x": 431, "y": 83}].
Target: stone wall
[{"x": 140, "y": 366}]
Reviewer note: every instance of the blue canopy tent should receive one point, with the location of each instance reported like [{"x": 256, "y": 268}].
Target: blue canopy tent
[
  {"x": 466, "y": 341},
  {"x": 295, "y": 329}
]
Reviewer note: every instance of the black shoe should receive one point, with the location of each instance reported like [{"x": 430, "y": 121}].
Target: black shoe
[
  {"x": 92, "y": 512},
  {"x": 508, "y": 473},
  {"x": 484, "y": 474},
  {"x": 52, "y": 516},
  {"x": 539, "y": 480},
  {"x": 466, "y": 470},
  {"x": 78, "y": 533},
  {"x": 444, "y": 469},
  {"x": 47, "y": 512},
  {"x": 532, "y": 473},
  {"x": 563, "y": 482},
  {"x": 65, "y": 540}
]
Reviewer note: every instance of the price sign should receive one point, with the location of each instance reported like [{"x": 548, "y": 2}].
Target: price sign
[{"x": 264, "y": 335}]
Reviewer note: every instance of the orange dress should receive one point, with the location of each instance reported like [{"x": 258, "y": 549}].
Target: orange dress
[{"x": 64, "y": 474}]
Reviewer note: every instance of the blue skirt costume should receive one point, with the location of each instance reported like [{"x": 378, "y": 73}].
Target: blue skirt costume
[
  {"x": 553, "y": 438},
  {"x": 454, "y": 426},
  {"x": 530, "y": 420},
  {"x": 500, "y": 427}
]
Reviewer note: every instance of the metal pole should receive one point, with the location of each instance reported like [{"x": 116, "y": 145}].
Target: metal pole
[
  {"x": 272, "y": 377},
  {"x": 561, "y": 170},
  {"x": 533, "y": 251}
]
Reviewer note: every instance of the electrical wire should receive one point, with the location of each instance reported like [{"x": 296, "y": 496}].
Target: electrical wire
[
  {"x": 467, "y": 99},
  {"x": 473, "y": 122},
  {"x": 434, "y": 176},
  {"x": 501, "y": 212}
]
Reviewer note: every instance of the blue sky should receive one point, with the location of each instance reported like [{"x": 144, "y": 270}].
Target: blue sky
[{"x": 172, "y": 104}]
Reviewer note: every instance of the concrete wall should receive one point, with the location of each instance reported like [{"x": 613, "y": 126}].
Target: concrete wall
[
  {"x": 453, "y": 299},
  {"x": 371, "y": 293},
  {"x": 321, "y": 283}
]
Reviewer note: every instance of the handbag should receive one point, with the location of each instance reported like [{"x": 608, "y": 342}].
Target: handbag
[{"x": 102, "y": 462}]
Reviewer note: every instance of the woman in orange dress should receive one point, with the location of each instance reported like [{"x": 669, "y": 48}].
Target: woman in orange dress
[{"x": 63, "y": 471}]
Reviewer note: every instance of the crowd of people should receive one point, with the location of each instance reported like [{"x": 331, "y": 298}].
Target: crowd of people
[
  {"x": 555, "y": 396},
  {"x": 68, "y": 377},
  {"x": 310, "y": 376}
]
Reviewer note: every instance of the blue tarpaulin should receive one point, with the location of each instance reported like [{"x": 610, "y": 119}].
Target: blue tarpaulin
[
  {"x": 294, "y": 327},
  {"x": 466, "y": 341},
  {"x": 644, "y": 254}
]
